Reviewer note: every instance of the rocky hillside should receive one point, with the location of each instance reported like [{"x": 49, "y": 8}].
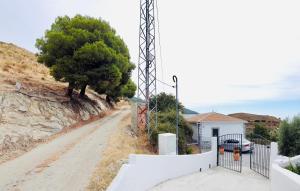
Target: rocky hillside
[
  {"x": 33, "y": 106},
  {"x": 270, "y": 122}
]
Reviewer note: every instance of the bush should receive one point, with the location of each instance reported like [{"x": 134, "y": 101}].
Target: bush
[
  {"x": 294, "y": 168},
  {"x": 167, "y": 124},
  {"x": 189, "y": 150},
  {"x": 274, "y": 135},
  {"x": 261, "y": 131},
  {"x": 289, "y": 137}
]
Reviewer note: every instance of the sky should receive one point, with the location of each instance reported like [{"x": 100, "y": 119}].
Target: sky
[{"x": 229, "y": 56}]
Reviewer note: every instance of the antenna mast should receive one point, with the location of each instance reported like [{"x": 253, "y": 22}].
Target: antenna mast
[{"x": 147, "y": 66}]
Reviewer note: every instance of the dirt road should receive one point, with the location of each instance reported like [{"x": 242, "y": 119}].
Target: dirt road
[{"x": 64, "y": 164}]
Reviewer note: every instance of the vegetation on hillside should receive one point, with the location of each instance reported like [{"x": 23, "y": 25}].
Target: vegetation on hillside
[
  {"x": 270, "y": 122},
  {"x": 167, "y": 122},
  {"x": 189, "y": 111},
  {"x": 18, "y": 64},
  {"x": 261, "y": 131},
  {"x": 85, "y": 51},
  {"x": 289, "y": 137}
]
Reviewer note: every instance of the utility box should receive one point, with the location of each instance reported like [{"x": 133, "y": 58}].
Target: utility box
[{"x": 167, "y": 144}]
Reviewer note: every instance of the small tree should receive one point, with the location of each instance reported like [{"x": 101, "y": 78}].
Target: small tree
[
  {"x": 165, "y": 102},
  {"x": 166, "y": 124},
  {"x": 261, "y": 130},
  {"x": 289, "y": 137}
]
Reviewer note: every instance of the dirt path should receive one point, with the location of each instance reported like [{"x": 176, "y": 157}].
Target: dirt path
[{"x": 65, "y": 163}]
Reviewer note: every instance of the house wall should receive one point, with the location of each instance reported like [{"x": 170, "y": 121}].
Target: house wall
[
  {"x": 224, "y": 128},
  {"x": 146, "y": 171}
]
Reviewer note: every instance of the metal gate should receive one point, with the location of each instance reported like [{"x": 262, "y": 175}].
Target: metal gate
[
  {"x": 260, "y": 155},
  {"x": 230, "y": 152}
]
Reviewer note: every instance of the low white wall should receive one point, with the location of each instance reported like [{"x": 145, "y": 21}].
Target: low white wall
[
  {"x": 145, "y": 171},
  {"x": 281, "y": 178}
]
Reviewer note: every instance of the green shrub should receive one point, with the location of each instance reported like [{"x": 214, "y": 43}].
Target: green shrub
[
  {"x": 274, "y": 135},
  {"x": 189, "y": 150},
  {"x": 261, "y": 131},
  {"x": 294, "y": 168},
  {"x": 167, "y": 124},
  {"x": 289, "y": 137}
]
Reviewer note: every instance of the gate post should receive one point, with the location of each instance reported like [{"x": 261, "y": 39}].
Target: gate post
[
  {"x": 215, "y": 148},
  {"x": 273, "y": 155},
  {"x": 241, "y": 153}
]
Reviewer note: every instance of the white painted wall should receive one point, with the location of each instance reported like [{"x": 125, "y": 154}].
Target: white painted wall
[
  {"x": 281, "y": 178},
  {"x": 224, "y": 128},
  {"x": 145, "y": 171}
]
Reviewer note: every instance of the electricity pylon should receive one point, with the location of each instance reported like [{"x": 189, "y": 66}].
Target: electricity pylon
[{"x": 147, "y": 112}]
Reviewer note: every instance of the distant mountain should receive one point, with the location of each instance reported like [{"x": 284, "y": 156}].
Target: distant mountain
[
  {"x": 188, "y": 111},
  {"x": 136, "y": 100},
  {"x": 269, "y": 121}
]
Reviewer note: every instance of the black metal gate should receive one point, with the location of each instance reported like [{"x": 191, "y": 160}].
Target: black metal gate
[
  {"x": 260, "y": 155},
  {"x": 230, "y": 152}
]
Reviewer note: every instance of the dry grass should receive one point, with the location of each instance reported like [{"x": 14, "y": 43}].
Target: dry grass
[
  {"x": 195, "y": 149},
  {"x": 20, "y": 65},
  {"x": 121, "y": 143}
]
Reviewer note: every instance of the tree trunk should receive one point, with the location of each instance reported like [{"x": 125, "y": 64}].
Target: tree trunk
[
  {"x": 82, "y": 91},
  {"x": 70, "y": 90},
  {"x": 108, "y": 100}
]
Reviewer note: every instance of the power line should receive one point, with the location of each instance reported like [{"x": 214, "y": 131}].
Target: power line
[
  {"x": 159, "y": 42},
  {"x": 164, "y": 83}
]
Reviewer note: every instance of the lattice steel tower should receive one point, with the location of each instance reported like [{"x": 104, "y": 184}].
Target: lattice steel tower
[{"x": 147, "y": 113}]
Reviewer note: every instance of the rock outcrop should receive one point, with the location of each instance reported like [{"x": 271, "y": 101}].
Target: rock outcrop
[{"x": 33, "y": 106}]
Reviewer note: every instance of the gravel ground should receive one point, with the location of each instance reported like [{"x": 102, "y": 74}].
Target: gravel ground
[{"x": 66, "y": 163}]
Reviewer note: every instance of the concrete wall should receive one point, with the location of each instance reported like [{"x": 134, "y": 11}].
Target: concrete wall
[
  {"x": 281, "y": 178},
  {"x": 145, "y": 171}
]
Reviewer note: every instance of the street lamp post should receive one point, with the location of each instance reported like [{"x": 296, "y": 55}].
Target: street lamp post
[{"x": 177, "y": 111}]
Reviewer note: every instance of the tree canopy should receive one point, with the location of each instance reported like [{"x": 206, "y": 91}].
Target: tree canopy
[
  {"x": 87, "y": 51},
  {"x": 289, "y": 137},
  {"x": 166, "y": 102}
]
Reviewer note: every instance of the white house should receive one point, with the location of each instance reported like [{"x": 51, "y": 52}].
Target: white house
[{"x": 213, "y": 124}]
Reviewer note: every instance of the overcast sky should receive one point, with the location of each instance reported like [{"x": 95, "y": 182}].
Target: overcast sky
[{"x": 229, "y": 55}]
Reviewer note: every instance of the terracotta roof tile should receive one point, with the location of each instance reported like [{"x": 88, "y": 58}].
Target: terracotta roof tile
[{"x": 213, "y": 117}]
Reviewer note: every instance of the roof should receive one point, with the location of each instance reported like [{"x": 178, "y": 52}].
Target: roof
[{"x": 213, "y": 117}]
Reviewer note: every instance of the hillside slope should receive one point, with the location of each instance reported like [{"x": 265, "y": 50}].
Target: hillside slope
[
  {"x": 269, "y": 121},
  {"x": 33, "y": 106}
]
